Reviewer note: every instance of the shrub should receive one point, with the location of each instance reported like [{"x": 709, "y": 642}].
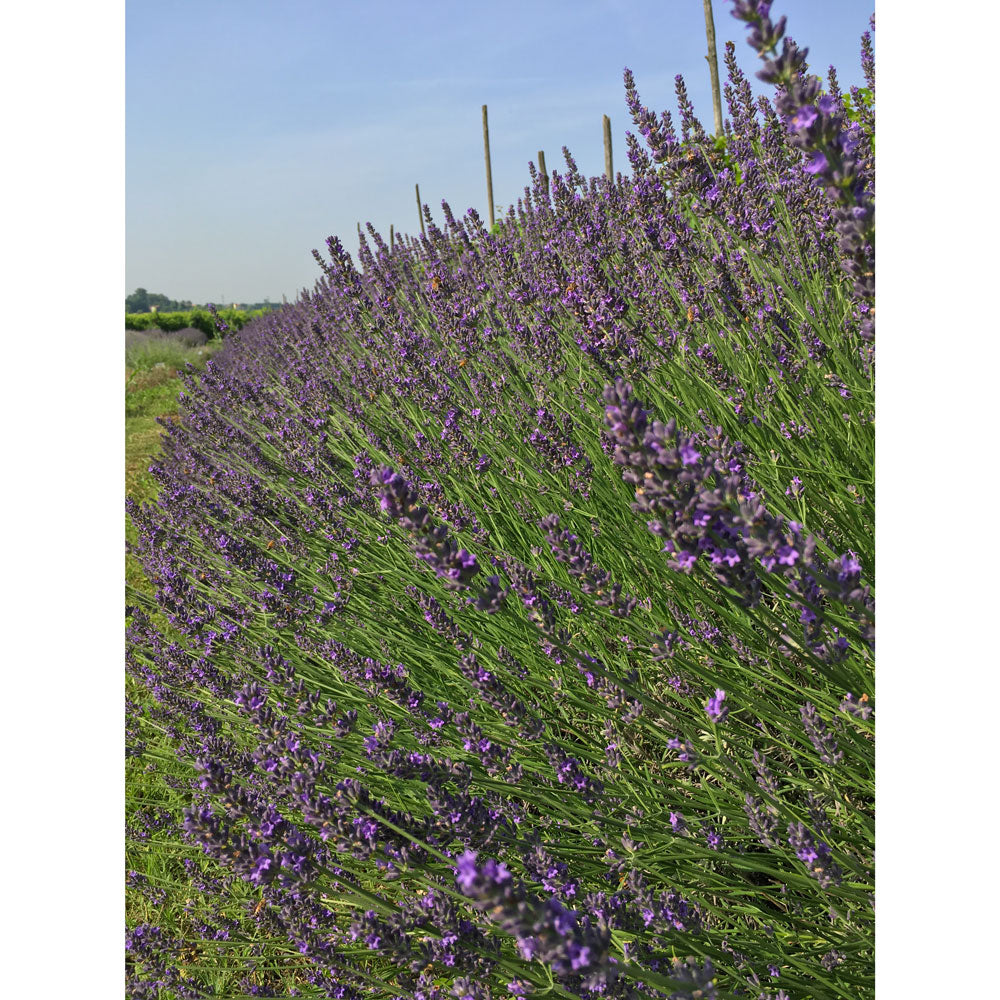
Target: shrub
[
  {"x": 199, "y": 319},
  {"x": 516, "y": 593},
  {"x": 189, "y": 336},
  {"x": 139, "y": 321}
]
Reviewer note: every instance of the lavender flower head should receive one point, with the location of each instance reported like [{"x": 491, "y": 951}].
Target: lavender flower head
[
  {"x": 480, "y": 881},
  {"x": 570, "y": 943},
  {"x": 699, "y": 982},
  {"x": 715, "y": 709},
  {"x": 432, "y": 544},
  {"x": 817, "y": 127}
]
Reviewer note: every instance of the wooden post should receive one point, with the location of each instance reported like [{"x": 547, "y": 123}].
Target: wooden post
[
  {"x": 608, "y": 169},
  {"x": 543, "y": 172},
  {"x": 392, "y": 239},
  {"x": 489, "y": 173},
  {"x": 359, "y": 229},
  {"x": 713, "y": 67},
  {"x": 420, "y": 212}
]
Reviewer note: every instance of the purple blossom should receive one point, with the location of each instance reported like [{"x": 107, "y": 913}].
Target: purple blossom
[
  {"x": 699, "y": 505},
  {"x": 814, "y": 854},
  {"x": 698, "y": 981},
  {"x": 715, "y": 709},
  {"x": 817, "y": 163},
  {"x": 478, "y": 880},
  {"x": 713, "y": 839},
  {"x": 689, "y": 455},
  {"x": 822, "y": 739},
  {"x": 569, "y": 942},
  {"x": 819, "y": 129},
  {"x": 804, "y": 117}
]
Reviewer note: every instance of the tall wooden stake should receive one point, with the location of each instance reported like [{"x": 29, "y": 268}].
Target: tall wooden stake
[
  {"x": 392, "y": 239},
  {"x": 489, "y": 173},
  {"x": 713, "y": 67},
  {"x": 608, "y": 169},
  {"x": 543, "y": 171},
  {"x": 420, "y": 212}
]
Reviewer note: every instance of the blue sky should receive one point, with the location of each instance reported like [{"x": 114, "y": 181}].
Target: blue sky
[{"x": 255, "y": 130}]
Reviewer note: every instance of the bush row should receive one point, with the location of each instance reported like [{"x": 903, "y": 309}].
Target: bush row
[{"x": 200, "y": 319}]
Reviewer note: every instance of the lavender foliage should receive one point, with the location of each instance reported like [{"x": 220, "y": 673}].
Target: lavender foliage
[{"x": 511, "y": 625}]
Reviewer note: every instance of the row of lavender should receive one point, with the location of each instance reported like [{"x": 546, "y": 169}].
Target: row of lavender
[{"x": 513, "y": 629}]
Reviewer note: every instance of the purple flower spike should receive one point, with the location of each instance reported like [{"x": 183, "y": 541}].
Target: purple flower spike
[
  {"x": 715, "y": 709},
  {"x": 818, "y": 127},
  {"x": 820, "y": 735},
  {"x": 568, "y": 941},
  {"x": 695, "y": 503},
  {"x": 697, "y": 981},
  {"x": 689, "y": 455},
  {"x": 814, "y": 854},
  {"x": 804, "y": 117},
  {"x": 432, "y": 543},
  {"x": 816, "y": 164}
]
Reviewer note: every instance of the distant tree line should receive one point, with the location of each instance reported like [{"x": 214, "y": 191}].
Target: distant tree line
[{"x": 141, "y": 301}]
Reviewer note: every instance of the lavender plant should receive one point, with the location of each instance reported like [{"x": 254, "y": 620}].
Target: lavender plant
[{"x": 512, "y": 623}]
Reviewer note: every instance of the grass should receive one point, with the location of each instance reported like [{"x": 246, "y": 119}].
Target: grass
[{"x": 144, "y": 352}]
